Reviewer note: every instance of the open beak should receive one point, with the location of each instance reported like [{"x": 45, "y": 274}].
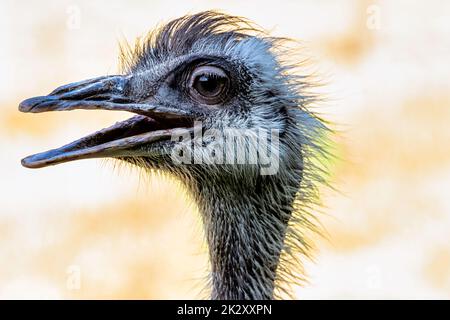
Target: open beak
[{"x": 153, "y": 122}]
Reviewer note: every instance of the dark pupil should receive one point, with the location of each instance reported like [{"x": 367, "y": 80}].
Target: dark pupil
[{"x": 209, "y": 85}]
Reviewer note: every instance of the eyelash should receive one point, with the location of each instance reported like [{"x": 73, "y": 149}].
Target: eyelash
[{"x": 210, "y": 74}]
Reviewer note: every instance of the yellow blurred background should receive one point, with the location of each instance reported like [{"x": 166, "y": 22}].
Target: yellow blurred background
[{"x": 90, "y": 230}]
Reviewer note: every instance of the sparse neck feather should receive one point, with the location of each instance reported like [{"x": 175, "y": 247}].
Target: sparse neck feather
[{"x": 245, "y": 225}]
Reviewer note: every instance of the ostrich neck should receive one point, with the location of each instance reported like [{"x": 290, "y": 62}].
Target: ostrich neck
[{"x": 245, "y": 226}]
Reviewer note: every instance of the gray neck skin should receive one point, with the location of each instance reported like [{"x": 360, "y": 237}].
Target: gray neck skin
[{"x": 245, "y": 224}]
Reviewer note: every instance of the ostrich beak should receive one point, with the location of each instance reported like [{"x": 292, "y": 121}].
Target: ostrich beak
[{"x": 153, "y": 122}]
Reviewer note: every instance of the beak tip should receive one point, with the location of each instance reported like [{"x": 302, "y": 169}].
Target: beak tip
[
  {"x": 28, "y": 104},
  {"x": 24, "y": 106},
  {"x": 30, "y": 164},
  {"x": 36, "y": 104},
  {"x": 26, "y": 163}
]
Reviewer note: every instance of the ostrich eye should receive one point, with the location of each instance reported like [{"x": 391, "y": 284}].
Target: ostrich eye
[{"x": 209, "y": 85}]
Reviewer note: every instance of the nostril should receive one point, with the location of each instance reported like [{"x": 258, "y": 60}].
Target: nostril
[
  {"x": 99, "y": 98},
  {"x": 110, "y": 98},
  {"x": 76, "y": 85},
  {"x": 119, "y": 99}
]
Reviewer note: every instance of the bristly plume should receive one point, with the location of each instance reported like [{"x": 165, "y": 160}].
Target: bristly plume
[{"x": 179, "y": 36}]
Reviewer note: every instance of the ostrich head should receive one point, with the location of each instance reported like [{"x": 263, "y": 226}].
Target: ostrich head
[{"x": 211, "y": 74}]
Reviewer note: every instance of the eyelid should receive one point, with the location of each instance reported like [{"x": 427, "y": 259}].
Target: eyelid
[{"x": 206, "y": 70}]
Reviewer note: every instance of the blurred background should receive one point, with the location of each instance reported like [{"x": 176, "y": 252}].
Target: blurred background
[{"x": 89, "y": 230}]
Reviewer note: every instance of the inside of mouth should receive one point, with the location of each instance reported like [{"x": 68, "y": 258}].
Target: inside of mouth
[
  {"x": 127, "y": 128},
  {"x": 132, "y": 127},
  {"x": 102, "y": 140}
]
